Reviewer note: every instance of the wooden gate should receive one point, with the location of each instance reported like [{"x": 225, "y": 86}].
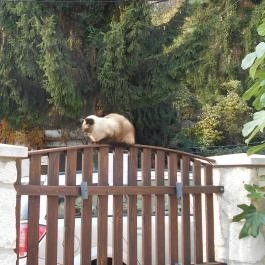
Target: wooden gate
[{"x": 161, "y": 208}]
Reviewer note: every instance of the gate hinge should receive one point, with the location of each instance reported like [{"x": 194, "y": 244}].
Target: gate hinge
[
  {"x": 84, "y": 191},
  {"x": 179, "y": 187}
]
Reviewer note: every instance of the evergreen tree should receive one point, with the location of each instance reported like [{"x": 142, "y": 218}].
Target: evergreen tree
[{"x": 134, "y": 77}]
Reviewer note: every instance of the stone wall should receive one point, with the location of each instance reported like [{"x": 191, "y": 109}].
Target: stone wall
[
  {"x": 8, "y": 176},
  {"x": 233, "y": 172}
]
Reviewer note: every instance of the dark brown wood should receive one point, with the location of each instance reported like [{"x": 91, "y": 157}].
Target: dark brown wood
[
  {"x": 71, "y": 190},
  {"x": 65, "y": 148},
  {"x": 197, "y": 205},
  {"x": 69, "y": 216},
  {"x": 160, "y": 209},
  {"x": 210, "y": 255},
  {"x": 103, "y": 190},
  {"x": 18, "y": 208},
  {"x": 86, "y": 224},
  {"x": 33, "y": 211},
  {"x": 152, "y": 148},
  {"x": 132, "y": 209},
  {"x": 102, "y": 207},
  {"x": 185, "y": 208},
  {"x": 52, "y": 212},
  {"x": 117, "y": 207},
  {"x": 147, "y": 210},
  {"x": 181, "y": 153},
  {"x": 173, "y": 210}
]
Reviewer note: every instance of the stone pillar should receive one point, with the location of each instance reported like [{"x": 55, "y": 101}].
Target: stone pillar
[
  {"x": 233, "y": 172},
  {"x": 8, "y": 176}
]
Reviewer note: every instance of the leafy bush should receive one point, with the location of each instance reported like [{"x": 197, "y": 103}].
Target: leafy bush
[{"x": 221, "y": 123}]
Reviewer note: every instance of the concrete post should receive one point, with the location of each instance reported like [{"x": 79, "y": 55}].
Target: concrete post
[
  {"x": 233, "y": 172},
  {"x": 8, "y": 176}
]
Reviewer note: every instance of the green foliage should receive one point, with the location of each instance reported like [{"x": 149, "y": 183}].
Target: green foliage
[
  {"x": 254, "y": 216},
  {"x": 57, "y": 73},
  {"x": 223, "y": 119},
  {"x": 133, "y": 75},
  {"x": 57, "y": 60},
  {"x": 47, "y": 59},
  {"x": 255, "y": 62},
  {"x": 253, "y": 220}
]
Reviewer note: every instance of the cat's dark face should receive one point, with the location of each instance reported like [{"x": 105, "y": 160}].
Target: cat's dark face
[{"x": 87, "y": 125}]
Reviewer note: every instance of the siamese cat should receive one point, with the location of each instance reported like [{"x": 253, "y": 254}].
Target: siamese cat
[{"x": 113, "y": 128}]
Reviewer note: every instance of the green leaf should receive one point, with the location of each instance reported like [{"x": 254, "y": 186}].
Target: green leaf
[
  {"x": 256, "y": 149},
  {"x": 260, "y": 74},
  {"x": 260, "y": 49},
  {"x": 257, "y": 104},
  {"x": 261, "y": 29},
  {"x": 256, "y": 125},
  {"x": 253, "y": 220},
  {"x": 255, "y": 192},
  {"x": 248, "y": 60},
  {"x": 252, "y": 91},
  {"x": 262, "y": 100},
  {"x": 254, "y": 67}
]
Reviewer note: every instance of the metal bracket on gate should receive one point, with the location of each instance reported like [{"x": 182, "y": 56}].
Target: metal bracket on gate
[
  {"x": 179, "y": 187},
  {"x": 84, "y": 191}
]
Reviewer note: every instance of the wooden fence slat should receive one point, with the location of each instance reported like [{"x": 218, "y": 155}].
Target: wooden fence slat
[
  {"x": 33, "y": 212},
  {"x": 146, "y": 210},
  {"x": 52, "y": 212},
  {"x": 102, "y": 207},
  {"x": 210, "y": 255},
  {"x": 132, "y": 208},
  {"x": 160, "y": 209},
  {"x": 110, "y": 190},
  {"x": 117, "y": 207},
  {"x": 197, "y": 205},
  {"x": 185, "y": 208},
  {"x": 18, "y": 208},
  {"x": 86, "y": 224},
  {"x": 173, "y": 210},
  {"x": 69, "y": 209}
]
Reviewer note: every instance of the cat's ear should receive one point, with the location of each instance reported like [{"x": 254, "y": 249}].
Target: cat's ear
[{"x": 89, "y": 121}]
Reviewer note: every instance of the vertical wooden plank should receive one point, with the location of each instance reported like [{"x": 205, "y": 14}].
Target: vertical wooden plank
[
  {"x": 18, "y": 208},
  {"x": 52, "y": 211},
  {"x": 210, "y": 255},
  {"x": 173, "y": 210},
  {"x": 197, "y": 205},
  {"x": 132, "y": 208},
  {"x": 34, "y": 211},
  {"x": 160, "y": 209},
  {"x": 117, "y": 207},
  {"x": 185, "y": 208},
  {"x": 86, "y": 224},
  {"x": 102, "y": 207},
  {"x": 69, "y": 214},
  {"x": 147, "y": 210}
]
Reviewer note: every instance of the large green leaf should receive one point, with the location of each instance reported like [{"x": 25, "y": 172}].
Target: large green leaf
[
  {"x": 256, "y": 125},
  {"x": 254, "y": 67},
  {"x": 260, "y": 49},
  {"x": 252, "y": 91},
  {"x": 256, "y": 149},
  {"x": 248, "y": 60},
  {"x": 255, "y": 192},
  {"x": 253, "y": 220},
  {"x": 257, "y": 103},
  {"x": 261, "y": 28}
]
